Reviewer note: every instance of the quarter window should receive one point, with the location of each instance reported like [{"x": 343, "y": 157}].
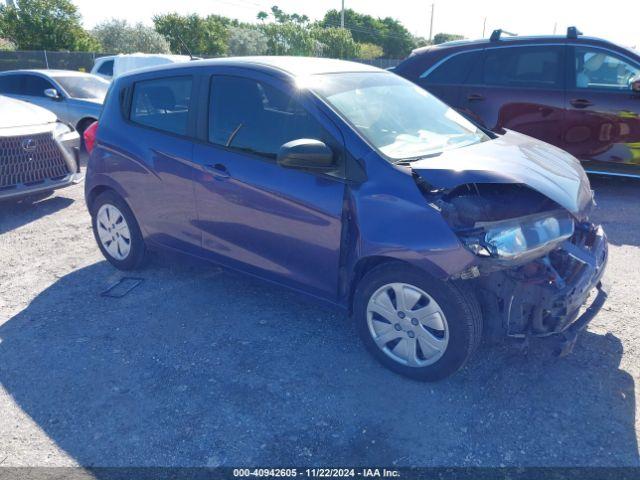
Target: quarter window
[
  {"x": 458, "y": 69},
  {"x": 255, "y": 117},
  {"x": 523, "y": 67},
  {"x": 163, "y": 104},
  {"x": 597, "y": 69},
  {"x": 106, "y": 68}
]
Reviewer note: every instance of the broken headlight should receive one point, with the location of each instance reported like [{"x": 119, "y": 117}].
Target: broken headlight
[{"x": 520, "y": 237}]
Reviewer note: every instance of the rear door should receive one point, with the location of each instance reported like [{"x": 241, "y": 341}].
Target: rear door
[
  {"x": 153, "y": 159},
  {"x": 447, "y": 78},
  {"x": 602, "y": 126},
  {"x": 281, "y": 224},
  {"x": 520, "y": 88}
]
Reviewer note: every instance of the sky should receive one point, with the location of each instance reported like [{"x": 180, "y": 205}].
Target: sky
[{"x": 617, "y": 22}]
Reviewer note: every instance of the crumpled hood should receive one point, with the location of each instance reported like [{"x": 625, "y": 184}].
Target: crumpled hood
[
  {"x": 512, "y": 158},
  {"x": 15, "y": 113}
]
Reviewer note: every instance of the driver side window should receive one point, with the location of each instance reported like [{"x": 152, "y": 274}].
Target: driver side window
[
  {"x": 255, "y": 117},
  {"x": 599, "y": 69}
]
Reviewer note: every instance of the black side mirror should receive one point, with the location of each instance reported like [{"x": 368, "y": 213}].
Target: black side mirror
[
  {"x": 635, "y": 84},
  {"x": 306, "y": 153}
]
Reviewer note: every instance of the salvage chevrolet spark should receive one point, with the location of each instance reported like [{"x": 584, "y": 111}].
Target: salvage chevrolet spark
[{"x": 355, "y": 186}]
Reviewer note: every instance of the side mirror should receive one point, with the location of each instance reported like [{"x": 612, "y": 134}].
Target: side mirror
[
  {"x": 306, "y": 153},
  {"x": 52, "y": 93},
  {"x": 635, "y": 84}
]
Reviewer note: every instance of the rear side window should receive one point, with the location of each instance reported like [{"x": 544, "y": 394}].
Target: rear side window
[
  {"x": 257, "y": 118},
  {"x": 456, "y": 70},
  {"x": 106, "y": 68},
  {"x": 524, "y": 67},
  {"x": 163, "y": 104},
  {"x": 11, "y": 84}
]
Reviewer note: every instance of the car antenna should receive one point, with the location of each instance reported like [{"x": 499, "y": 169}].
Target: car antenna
[{"x": 184, "y": 45}]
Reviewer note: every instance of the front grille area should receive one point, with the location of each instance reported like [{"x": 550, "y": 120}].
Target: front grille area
[{"x": 29, "y": 159}]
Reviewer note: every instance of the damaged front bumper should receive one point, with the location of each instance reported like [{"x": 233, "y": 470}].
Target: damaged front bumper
[{"x": 544, "y": 297}]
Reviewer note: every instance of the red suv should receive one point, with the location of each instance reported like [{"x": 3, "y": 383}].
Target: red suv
[{"x": 579, "y": 93}]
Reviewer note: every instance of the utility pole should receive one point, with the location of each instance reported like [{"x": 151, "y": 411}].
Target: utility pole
[
  {"x": 342, "y": 16},
  {"x": 555, "y": 27},
  {"x": 484, "y": 27},
  {"x": 433, "y": 7}
]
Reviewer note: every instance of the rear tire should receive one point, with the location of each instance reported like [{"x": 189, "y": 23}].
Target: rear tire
[
  {"x": 416, "y": 325},
  {"x": 117, "y": 232}
]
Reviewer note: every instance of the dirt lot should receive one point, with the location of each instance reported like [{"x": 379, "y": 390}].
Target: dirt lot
[{"x": 202, "y": 367}]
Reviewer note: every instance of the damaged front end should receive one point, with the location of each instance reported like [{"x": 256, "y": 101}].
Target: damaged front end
[{"x": 536, "y": 262}]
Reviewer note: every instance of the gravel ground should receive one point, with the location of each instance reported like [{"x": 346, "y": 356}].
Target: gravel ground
[{"x": 200, "y": 367}]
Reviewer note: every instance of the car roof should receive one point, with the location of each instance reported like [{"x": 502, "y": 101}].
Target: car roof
[
  {"x": 294, "y": 66},
  {"x": 52, "y": 73},
  {"x": 515, "y": 40}
]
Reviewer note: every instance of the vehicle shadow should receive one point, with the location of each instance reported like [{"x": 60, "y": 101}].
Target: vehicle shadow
[
  {"x": 16, "y": 213},
  {"x": 618, "y": 209},
  {"x": 201, "y": 367}
]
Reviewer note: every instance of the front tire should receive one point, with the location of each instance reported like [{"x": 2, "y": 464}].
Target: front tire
[
  {"x": 117, "y": 232},
  {"x": 415, "y": 325}
]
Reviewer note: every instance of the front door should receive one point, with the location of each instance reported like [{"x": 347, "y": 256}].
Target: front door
[
  {"x": 279, "y": 223},
  {"x": 32, "y": 91},
  {"x": 602, "y": 126}
]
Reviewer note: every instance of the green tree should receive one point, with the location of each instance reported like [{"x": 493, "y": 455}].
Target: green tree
[
  {"x": 421, "y": 42},
  {"x": 398, "y": 42},
  {"x": 247, "y": 41},
  {"x": 117, "y": 36},
  {"x": 388, "y": 33},
  {"x": 281, "y": 17},
  {"x": 439, "y": 38},
  {"x": 202, "y": 35},
  {"x": 369, "y": 51},
  {"x": 45, "y": 25},
  {"x": 262, "y": 16},
  {"x": 335, "y": 42},
  {"x": 290, "y": 39}
]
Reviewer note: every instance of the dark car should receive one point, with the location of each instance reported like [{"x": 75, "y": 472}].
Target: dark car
[
  {"x": 578, "y": 93},
  {"x": 354, "y": 186}
]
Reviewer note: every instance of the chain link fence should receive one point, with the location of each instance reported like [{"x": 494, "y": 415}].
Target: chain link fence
[{"x": 83, "y": 61}]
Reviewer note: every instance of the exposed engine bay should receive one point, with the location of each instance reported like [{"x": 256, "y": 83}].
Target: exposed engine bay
[{"x": 536, "y": 263}]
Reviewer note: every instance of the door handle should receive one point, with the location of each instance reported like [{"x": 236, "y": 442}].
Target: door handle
[
  {"x": 218, "y": 170},
  {"x": 475, "y": 97},
  {"x": 580, "y": 103}
]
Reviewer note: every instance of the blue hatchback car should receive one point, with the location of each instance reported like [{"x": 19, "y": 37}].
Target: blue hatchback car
[{"x": 355, "y": 186}]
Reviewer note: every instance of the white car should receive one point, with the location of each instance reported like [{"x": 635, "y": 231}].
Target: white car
[
  {"x": 38, "y": 153},
  {"x": 115, "y": 65}
]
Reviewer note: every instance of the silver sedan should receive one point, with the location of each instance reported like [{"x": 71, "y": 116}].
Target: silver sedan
[{"x": 75, "y": 97}]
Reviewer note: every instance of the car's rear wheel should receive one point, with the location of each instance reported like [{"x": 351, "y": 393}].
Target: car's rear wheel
[
  {"x": 416, "y": 325},
  {"x": 117, "y": 232}
]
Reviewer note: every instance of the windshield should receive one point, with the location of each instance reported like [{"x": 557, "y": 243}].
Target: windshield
[
  {"x": 401, "y": 120},
  {"x": 84, "y": 87}
]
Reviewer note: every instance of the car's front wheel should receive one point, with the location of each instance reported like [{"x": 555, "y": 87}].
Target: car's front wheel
[
  {"x": 117, "y": 232},
  {"x": 416, "y": 325}
]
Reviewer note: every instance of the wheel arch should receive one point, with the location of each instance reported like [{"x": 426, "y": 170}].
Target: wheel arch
[
  {"x": 83, "y": 123},
  {"x": 365, "y": 264}
]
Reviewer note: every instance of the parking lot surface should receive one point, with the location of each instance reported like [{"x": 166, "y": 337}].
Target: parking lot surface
[{"x": 202, "y": 367}]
